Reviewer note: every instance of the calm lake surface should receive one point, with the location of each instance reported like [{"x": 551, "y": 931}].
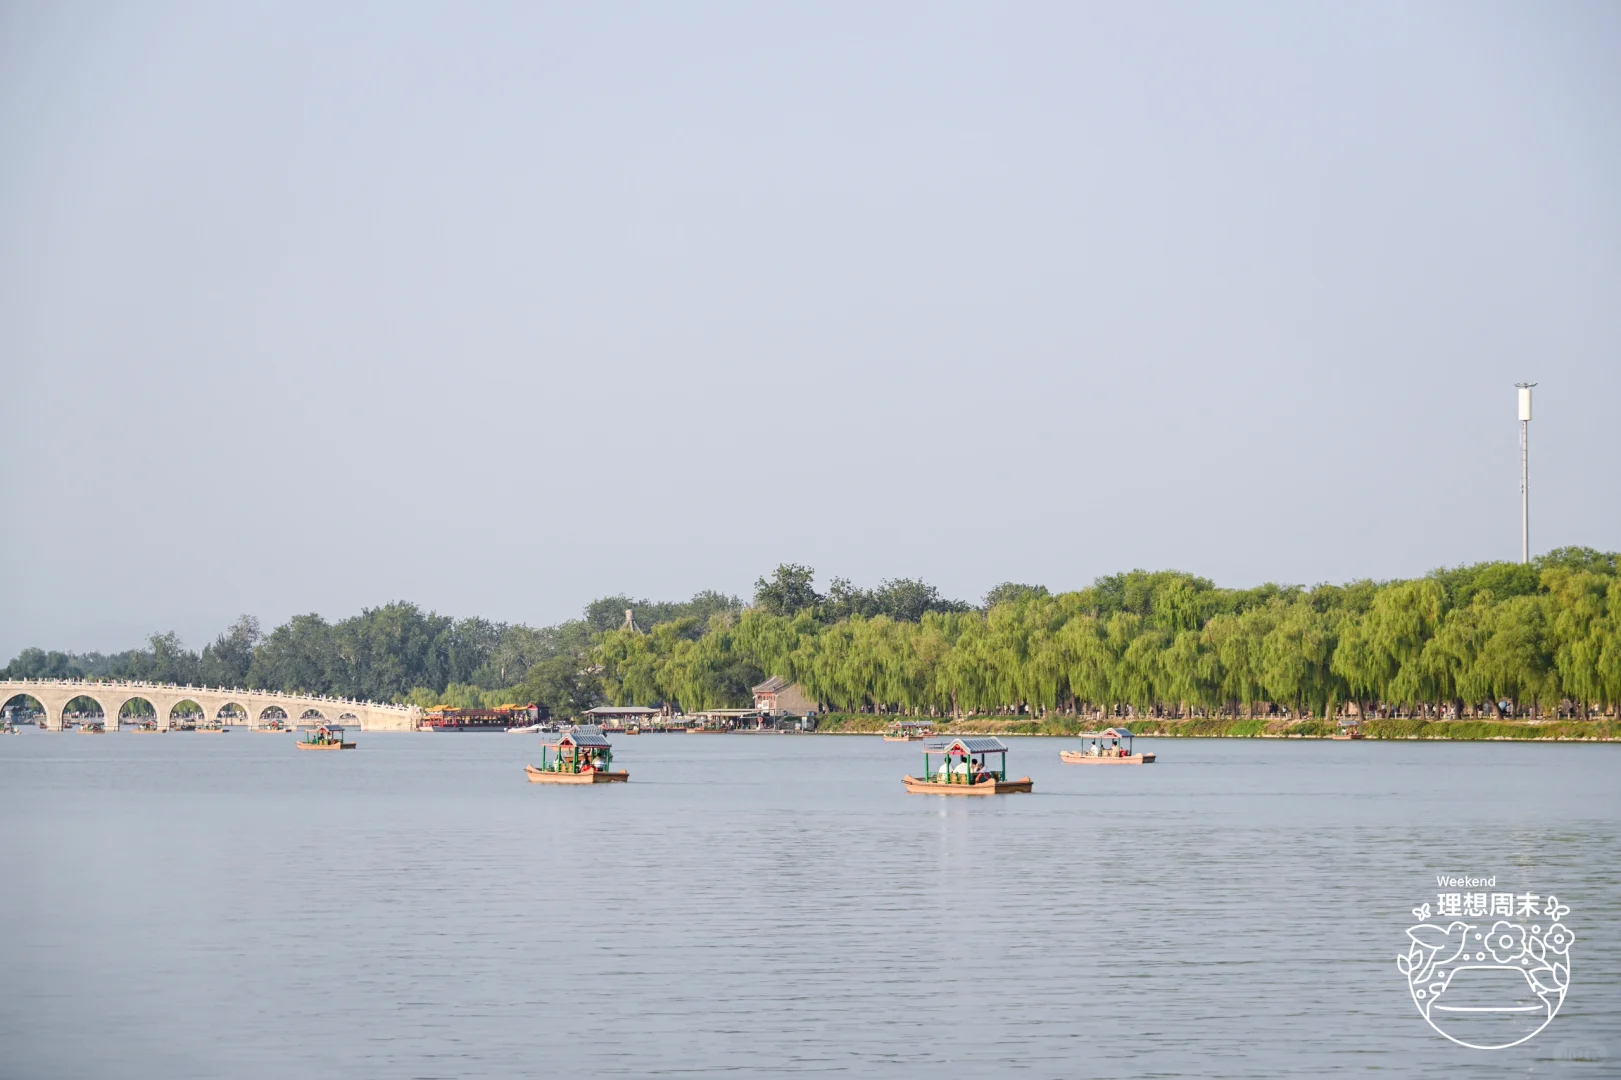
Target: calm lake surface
[{"x": 223, "y": 906}]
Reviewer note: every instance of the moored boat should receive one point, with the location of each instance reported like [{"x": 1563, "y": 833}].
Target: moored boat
[
  {"x": 500, "y": 718},
  {"x": 1100, "y": 754},
  {"x": 581, "y": 756},
  {"x": 964, "y": 770},
  {"x": 909, "y": 731},
  {"x": 325, "y": 737},
  {"x": 1348, "y": 729}
]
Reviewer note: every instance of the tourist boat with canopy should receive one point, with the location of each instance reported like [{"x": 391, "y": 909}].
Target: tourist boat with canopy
[
  {"x": 964, "y": 769},
  {"x": 909, "y": 731},
  {"x": 1348, "y": 729},
  {"x": 325, "y": 737},
  {"x": 581, "y": 756},
  {"x": 1106, "y": 749}
]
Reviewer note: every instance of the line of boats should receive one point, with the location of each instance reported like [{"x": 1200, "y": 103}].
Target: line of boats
[{"x": 952, "y": 765}]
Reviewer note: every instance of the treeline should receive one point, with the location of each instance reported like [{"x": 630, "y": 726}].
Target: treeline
[
  {"x": 1485, "y": 640},
  {"x": 396, "y": 652},
  {"x": 1493, "y": 639}
]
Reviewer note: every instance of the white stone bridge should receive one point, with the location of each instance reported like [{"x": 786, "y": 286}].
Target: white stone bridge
[{"x": 56, "y": 694}]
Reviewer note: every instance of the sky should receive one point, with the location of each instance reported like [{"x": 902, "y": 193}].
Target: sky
[{"x": 499, "y": 308}]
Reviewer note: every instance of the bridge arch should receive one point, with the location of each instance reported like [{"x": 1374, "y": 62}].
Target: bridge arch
[
  {"x": 312, "y": 714},
  {"x": 138, "y": 709},
  {"x": 273, "y": 712},
  {"x": 186, "y": 709},
  {"x": 24, "y": 708},
  {"x": 231, "y": 712},
  {"x": 86, "y": 708}
]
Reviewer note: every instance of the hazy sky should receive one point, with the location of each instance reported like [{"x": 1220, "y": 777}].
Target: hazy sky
[{"x": 503, "y": 307}]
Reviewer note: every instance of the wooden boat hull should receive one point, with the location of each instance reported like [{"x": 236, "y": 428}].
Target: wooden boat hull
[
  {"x": 541, "y": 776},
  {"x": 1346, "y": 738},
  {"x": 324, "y": 746},
  {"x": 903, "y": 738},
  {"x": 990, "y": 787},
  {"x": 1076, "y": 757}
]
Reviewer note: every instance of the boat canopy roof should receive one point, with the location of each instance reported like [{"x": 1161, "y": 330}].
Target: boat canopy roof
[
  {"x": 967, "y": 744},
  {"x": 586, "y": 735},
  {"x": 1108, "y": 733}
]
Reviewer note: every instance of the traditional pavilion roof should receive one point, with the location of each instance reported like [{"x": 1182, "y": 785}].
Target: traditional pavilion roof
[
  {"x": 774, "y": 685},
  {"x": 586, "y": 735},
  {"x": 974, "y": 744}
]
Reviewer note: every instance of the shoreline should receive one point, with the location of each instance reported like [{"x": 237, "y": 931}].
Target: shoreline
[{"x": 1587, "y": 731}]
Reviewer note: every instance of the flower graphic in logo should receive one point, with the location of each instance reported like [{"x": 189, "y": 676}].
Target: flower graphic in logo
[
  {"x": 1558, "y": 938},
  {"x": 1505, "y": 941},
  {"x": 1493, "y": 986}
]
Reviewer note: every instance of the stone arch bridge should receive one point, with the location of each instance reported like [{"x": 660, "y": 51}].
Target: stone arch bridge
[{"x": 56, "y": 694}]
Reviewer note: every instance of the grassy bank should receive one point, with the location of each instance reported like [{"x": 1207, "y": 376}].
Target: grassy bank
[{"x": 1452, "y": 730}]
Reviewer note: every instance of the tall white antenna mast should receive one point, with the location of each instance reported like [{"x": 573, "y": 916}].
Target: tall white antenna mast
[{"x": 1525, "y": 470}]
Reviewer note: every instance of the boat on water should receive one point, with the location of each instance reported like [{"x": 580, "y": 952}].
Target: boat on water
[
  {"x": 500, "y": 718},
  {"x": 527, "y": 729},
  {"x": 94, "y": 728},
  {"x": 147, "y": 727},
  {"x": 1348, "y": 729},
  {"x": 212, "y": 729},
  {"x": 581, "y": 756},
  {"x": 8, "y": 728},
  {"x": 325, "y": 737},
  {"x": 909, "y": 731},
  {"x": 965, "y": 769},
  {"x": 1106, "y": 749}
]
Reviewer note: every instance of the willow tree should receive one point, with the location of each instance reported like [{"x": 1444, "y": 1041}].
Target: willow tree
[{"x": 1374, "y": 647}]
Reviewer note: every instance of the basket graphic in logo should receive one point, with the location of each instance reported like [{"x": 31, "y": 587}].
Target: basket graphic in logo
[{"x": 1489, "y": 970}]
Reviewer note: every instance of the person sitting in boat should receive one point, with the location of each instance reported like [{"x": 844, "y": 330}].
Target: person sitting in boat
[
  {"x": 943, "y": 774},
  {"x": 960, "y": 771},
  {"x": 979, "y": 776},
  {"x": 1092, "y": 751},
  {"x": 1114, "y": 750}
]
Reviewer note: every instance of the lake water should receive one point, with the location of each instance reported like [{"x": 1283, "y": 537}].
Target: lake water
[{"x": 223, "y": 906}]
